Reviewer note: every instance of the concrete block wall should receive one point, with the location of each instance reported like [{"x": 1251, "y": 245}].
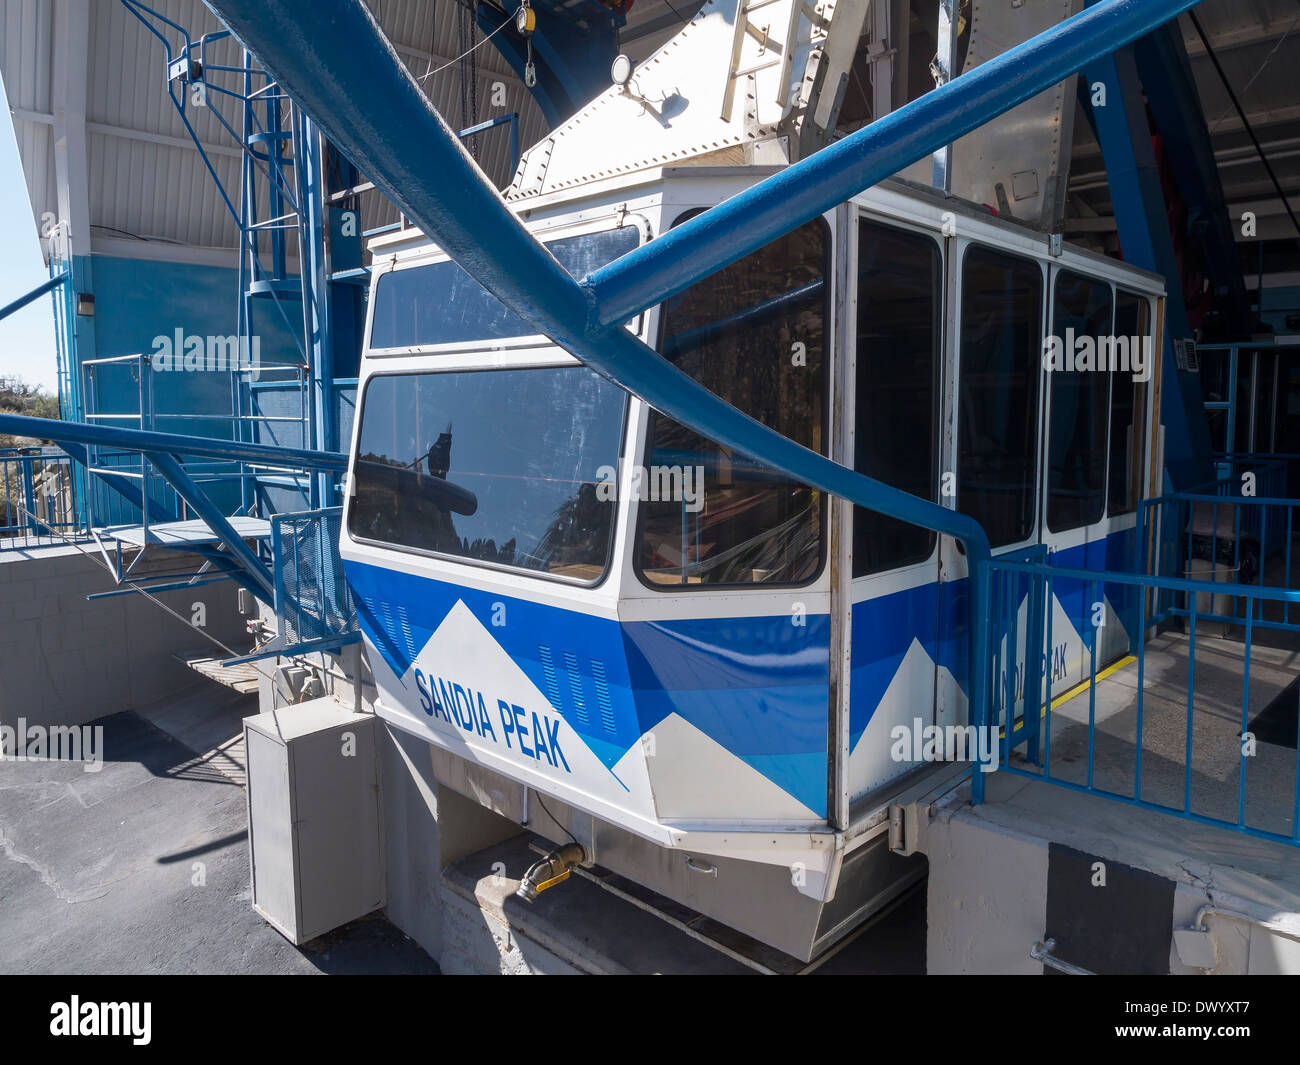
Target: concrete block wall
[
  {"x": 65, "y": 660},
  {"x": 1117, "y": 887}
]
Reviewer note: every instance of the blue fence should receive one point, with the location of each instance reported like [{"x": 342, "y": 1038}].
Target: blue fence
[
  {"x": 1156, "y": 716},
  {"x": 37, "y": 496},
  {"x": 1220, "y": 539}
]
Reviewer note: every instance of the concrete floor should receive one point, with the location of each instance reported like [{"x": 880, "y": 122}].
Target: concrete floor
[{"x": 143, "y": 866}]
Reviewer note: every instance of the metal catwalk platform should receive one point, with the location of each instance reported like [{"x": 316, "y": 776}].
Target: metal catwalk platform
[{"x": 182, "y": 534}]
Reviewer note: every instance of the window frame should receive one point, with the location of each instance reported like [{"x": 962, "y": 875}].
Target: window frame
[
  {"x": 1046, "y": 470},
  {"x": 938, "y": 385},
  {"x": 433, "y": 255},
  {"x": 1039, "y": 414},
  {"x": 610, "y": 560},
  {"x": 1141, "y": 413},
  {"x": 644, "y": 444}
]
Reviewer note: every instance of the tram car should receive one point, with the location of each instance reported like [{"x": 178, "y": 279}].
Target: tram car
[{"x": 614, "y": 631}]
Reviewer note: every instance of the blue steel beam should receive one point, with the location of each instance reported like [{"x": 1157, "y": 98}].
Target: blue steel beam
[
  {"x": 127, "y": 489},
  {"x": 375, "y": 112},
  {"x": 1171, "y": 93},
  {"x": 169, "y": 443},
  {"x": 202, "y": 505},
  {"x": 1138, "y": 200},
  {"x": 754, "y": 218},
  {"x": 369, "y": 106},
  {"x": 34, "y": 294}
]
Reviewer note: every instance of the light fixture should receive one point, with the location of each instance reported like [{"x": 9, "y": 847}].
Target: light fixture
[{"x": 620, "y": 71}]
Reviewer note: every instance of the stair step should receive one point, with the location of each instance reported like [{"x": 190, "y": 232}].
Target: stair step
[{"x": 242, "y": 678}]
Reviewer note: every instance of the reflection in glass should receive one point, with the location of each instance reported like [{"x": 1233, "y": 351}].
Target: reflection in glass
[
  {"x": 1078, "y": 401},
  {"x": 1128, "y": 403},
  {"x": 441, "y": 304},
  {"x": 1001, "y": 357},
  {"x": 754, "y": 334},
  {"x": 900, "y": 277},
  {"x": 501, "y": 466}
]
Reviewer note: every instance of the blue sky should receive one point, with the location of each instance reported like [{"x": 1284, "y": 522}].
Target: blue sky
[{"x": 26, "y": 336}]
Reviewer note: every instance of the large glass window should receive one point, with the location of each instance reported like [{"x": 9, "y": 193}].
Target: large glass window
[
  {"x": 505, "y": 467},
  {"x": 753, "y": 334},
  {"x": 1128, "y": 404},
  {"x": 1001, "y": 358},
  {"x": 900, "y": 285},
  {"x": 441, "y": 304},
  {"x": 1079, "y": 395}
]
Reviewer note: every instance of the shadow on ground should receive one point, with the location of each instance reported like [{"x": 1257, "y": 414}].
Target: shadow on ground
[{"x": 142, "y": 867}]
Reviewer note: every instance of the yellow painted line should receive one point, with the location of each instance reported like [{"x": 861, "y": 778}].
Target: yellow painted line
[{"x": 1079, "y": 689}]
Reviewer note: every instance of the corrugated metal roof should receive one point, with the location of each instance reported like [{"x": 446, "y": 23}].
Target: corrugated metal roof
[{"x": 146, "y": 179}]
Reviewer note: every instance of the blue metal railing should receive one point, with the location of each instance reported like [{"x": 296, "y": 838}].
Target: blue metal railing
[
  {"x": 1025, "y": 700},
  {"x": 313, "y": 604},
  {"x": 37, "y": 498},
  {"x": 1219, "y": 538}
]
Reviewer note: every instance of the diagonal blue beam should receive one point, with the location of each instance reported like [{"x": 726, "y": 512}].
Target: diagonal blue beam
[
  {"x": 202, "y": 505},
  {"x": 754, "y": 218},
  {"x": 128, "y": 490},
  {"x": 34, "y": 294},
  {"x": 339, "y": 67},
  {"x": 174, "y": 443}
]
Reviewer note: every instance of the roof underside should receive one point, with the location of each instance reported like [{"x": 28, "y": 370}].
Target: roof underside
[{"x": 148, "y": 191}]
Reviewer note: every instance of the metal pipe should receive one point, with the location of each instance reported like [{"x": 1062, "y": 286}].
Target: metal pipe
[
  {"x": 752, "y": 219},
  {"x": 169, "y": 443},
  {"x": 1042, "y": 951},
  {"x": 34, "y": 294}
]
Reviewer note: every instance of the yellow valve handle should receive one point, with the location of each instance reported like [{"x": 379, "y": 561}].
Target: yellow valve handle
[{"x": 553, "y": 881}]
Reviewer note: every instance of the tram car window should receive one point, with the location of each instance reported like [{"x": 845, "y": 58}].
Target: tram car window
[
  {"x": 475, "y": 466},
  {"x": 1128, "y": 404},
  {"x": 1078, "y": 404},
  {"x": 1000, "y": 366},
  {"x": 898, "y": 358},
  {"x": 754, "y": 334}
]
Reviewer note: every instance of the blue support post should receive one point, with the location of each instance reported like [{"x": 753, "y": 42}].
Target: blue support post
[
  {"x": 1139, "y": 204},
  {"x": 316, "y": 300}
]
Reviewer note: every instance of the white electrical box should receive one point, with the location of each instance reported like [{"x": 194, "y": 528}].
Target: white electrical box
[{"x": 313, "y": 817}]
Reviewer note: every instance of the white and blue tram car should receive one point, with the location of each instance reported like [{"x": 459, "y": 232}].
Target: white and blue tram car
[{"x": 694, "y": 663}]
